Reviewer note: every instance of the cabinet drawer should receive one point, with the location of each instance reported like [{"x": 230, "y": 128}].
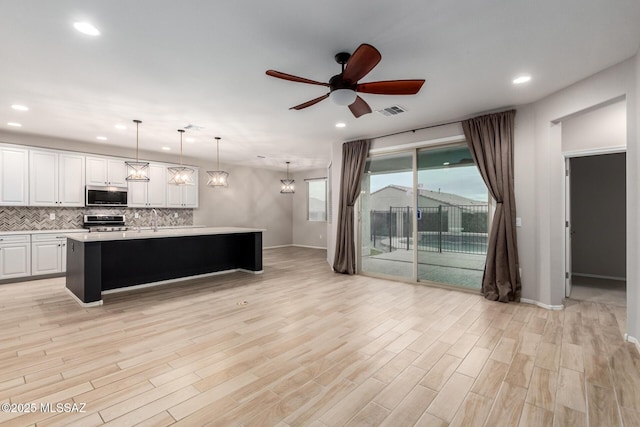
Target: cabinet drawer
[
  {"x": 14, "y": 238},
  {"x": 47, "y": 237}
]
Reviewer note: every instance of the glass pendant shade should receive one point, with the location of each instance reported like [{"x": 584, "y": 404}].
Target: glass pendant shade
[
  {"x": 218, "y": 178},
  {"x": 137, "y": 171},
  {"x": 288, "y": 185},
  {"x": 181, "y": 175}
]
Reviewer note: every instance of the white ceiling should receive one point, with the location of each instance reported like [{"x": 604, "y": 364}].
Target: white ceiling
[{"x": 172, "y": 63}]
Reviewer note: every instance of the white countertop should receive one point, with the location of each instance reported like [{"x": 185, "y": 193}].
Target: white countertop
[
  {"x": 166, "y": 232},
  {"x": 66, "y": 231}
]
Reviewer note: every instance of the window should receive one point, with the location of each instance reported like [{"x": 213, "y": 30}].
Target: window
[{"x": 317, "y": 199}]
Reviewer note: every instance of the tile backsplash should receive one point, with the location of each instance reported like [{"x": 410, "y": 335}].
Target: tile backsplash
[{"x": 18, "y": 218}]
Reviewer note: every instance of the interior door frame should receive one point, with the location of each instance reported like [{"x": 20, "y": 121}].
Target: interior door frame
[{"x": 567, "y": 203}]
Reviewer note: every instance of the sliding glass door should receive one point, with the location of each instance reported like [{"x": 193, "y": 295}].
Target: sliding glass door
[
  {"x": 424, "y": 219},
  {"x": 386, "y": 221},
  {"x": 453, "y": 210}
]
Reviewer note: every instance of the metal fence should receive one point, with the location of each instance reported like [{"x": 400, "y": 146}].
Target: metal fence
[{"x": 460, "y": 229}]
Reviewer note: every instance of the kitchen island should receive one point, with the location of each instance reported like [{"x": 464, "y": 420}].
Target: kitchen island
[{"x": 109, "y": 261}]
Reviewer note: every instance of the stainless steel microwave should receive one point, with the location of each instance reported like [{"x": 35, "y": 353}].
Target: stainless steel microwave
[{"x": 106, "y": 196}]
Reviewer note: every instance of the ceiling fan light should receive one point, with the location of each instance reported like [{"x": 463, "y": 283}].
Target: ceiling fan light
[{"x": 343, "y": 96}]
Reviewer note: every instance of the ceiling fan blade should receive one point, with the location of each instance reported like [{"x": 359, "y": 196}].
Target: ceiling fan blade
[
  {"x": 361, "y": 62},
  {"x": 285, "y": 76},
  {"x": 359, "y": 107},
  {"x": 391, "y": 87},
  {"x": 309, "y": 103}
]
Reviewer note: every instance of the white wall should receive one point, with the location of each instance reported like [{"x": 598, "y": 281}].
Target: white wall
[
  {"x": 307, "y": 233},
  {"x": 600, "y": 128},
  {"x": 252, "y": 199}
]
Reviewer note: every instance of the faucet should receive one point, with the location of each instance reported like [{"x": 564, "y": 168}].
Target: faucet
[{"x": 154, "y": 220}]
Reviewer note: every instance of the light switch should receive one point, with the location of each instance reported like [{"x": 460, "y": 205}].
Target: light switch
[
  {"x": 52, "y": 216},
  {"x": 518, "y": 222}
]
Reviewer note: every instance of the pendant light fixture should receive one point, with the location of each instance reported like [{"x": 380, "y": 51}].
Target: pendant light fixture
[
  {"x": 218, "y": 178},
  {"x": 288, "y": 185},
  {"x": 181, "y": 175},
  {"x": 137, "y": 171}
]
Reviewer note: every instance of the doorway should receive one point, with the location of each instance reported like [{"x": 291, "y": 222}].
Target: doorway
[{"x": 596, "y": 205}]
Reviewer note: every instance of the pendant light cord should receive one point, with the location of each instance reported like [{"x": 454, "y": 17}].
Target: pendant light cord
[
  {"x": 218, "y": 151},
  {"x": 137, "y": 122}
]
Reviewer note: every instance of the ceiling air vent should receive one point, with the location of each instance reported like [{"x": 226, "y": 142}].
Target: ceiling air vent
[{"x": 394, "y": 110}]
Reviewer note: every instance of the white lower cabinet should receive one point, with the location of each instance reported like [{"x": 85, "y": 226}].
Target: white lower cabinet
[
  {"x": 15, "y": 256},
  {"x": 48, "y": 254}
]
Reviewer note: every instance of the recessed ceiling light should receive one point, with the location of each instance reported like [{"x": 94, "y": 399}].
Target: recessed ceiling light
[
  {"x": 14, "y": 124},
  {"x": 521, "y": 79},
  {"x": 101, "y": 138},
  {"x": 340, "y": 125},
  {"x": 20, "y": 107},
  {"x": 121, "y": 127},
  {"x": 166, "y": 148},
  {"x": 189, "y": 139},
  {"x": 86, "y": 28}
]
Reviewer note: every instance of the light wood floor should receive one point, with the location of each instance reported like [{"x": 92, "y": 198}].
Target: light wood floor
[{"x": 312, "y": 348}]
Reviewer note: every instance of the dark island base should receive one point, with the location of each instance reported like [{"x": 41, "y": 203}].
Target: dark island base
[{"x": 93, "y": 267}]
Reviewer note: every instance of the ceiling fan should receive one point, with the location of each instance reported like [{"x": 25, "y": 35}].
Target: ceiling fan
[{"x": 343, "y": 86}]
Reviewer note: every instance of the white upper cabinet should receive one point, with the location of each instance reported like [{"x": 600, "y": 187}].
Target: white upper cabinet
[
  {"x": 152, "y": 194},
  {"x": 14, "y": 176},
  {"x": 183, "y": 196},
  {"x": 106, "y": 171},
  {"x": 56, "y": 178}
]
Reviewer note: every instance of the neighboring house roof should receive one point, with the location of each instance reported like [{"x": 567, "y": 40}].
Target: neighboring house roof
[{"x": 446, "y": 198}]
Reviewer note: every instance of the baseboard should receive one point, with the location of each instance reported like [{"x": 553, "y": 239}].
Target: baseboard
[
  {"x": 597, "y": 276},
  {"x": 310, "y": 247},
  {"x": 542, "y": 305},
  {"x": 82, "y": 303},
  {"x": 296, "y": 246},
  {"x": 633, "y": 340},
  {"x": 176, "y": 280},
  {"x": 276, "y": 247}
]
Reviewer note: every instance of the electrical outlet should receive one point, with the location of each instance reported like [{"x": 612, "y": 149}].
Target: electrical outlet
[
  {"x": 175, "y": 214},
  {"x": 518, "y": 222},
  {"x": 52, "y": 216},
  {"x": 136, "y": 215}
]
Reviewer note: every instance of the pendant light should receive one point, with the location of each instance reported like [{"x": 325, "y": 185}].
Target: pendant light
[
  {"x": 288, "y": 185},
  {"x": 137, "y": 171},
  {"x": 181, "y": 175},
  {"x": 218, "y": 178}
]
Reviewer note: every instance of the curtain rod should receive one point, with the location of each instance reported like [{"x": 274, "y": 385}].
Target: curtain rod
[{"x": 414, "y": 130}]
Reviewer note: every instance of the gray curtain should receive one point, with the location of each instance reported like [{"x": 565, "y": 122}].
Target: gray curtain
[
  {"x": 354, "y": 157},
  {"x": 490, "y": 140}
]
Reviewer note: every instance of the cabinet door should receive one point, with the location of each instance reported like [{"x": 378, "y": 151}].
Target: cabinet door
[
  {"x": 97, "y": 171},
  {"x": 174, "y": 196},
  {"x": 63, "y": 255},
  {"x": 117, "y": 172},
  {"x": 137, "y": 194},
  {"x": 43, "y": 178},
  {"x": 14, "y": 260},
  {"x": 157, "y": 186},
  {"x": 14, "y": 177},
  {"x": 45, "y": 258},
  {"x": 71, "y": 180},
  {"x": 190, "y": 196}
]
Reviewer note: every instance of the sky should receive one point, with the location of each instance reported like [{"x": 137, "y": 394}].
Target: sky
[{"x": 463, "y": 181}]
